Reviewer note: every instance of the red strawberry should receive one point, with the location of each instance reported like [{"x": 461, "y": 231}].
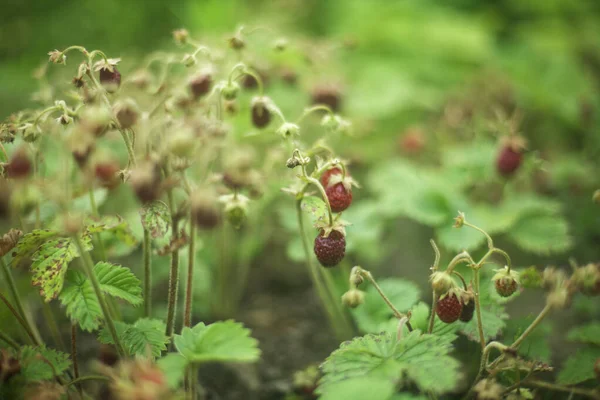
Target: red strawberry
[
  {"x": 508, "y": 161},
  {"x": 468, "y": 309},
  {"x": 330, "y": 250},
  {"x": 339, "y": 197},
  {"x": 110, "y": 79},
  {"x": 327, "y": 174},
  {"x": 506, "y": 286},
  {"x": 449, "y": 308}
]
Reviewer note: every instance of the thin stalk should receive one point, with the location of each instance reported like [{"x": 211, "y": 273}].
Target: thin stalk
[
  {"x": 87, "y": 378},
  {"x": 23, "y": 323},
  {"x": 434, "y": 268},
  {"x": 94, "y": 207},
  {"x": 4, "y": 337},
  {"x": 387, "y": 301},
  {"x": 314, "y": 274},
  {"x": 478, "y": 308},
  {"x": 592, "y": 394},
  {"x": 147, "y": 274},
  {"x": 490, "y": 242},
  {"x": 189, "y": 291},
  {"x": 74, "y": 356},
  {"x": 52, "y": 325},
  {"x": 331, "y": 288},
  {"x": 531, "y": 327},
  {"x": 14, "y": 291},
  {"x": 173, "y": 272},
  {"x": 88, "y": 267},
  {"x": 485, "y": 354}
]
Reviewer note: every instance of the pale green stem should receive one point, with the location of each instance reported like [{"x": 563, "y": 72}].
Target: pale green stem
[
  {"x": 478, "y": 307},
  {"x": 147, "y": 274}
]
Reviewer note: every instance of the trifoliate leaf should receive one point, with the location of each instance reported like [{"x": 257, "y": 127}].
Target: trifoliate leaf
[
  {"x": 173, "y": 365},
  {"x": 589, "y": 333},
  {"x": 373, "y": 314},
  {"x": 41, "y": 363},
  {"x": 145, "y": 337},
  {"x": 418, "y": 359},
  {"x": 156, "y": 218},
  {"x": 315, "y": 207},
  {"x": 119, "y": 281},
  {"x": 220, "y": 341},
  {"x": 541, "y": 234},
  {"x": 579, "y": 367},
  {"x": 49, "y": 265},
  {"x": 29, "y": 243},
  {"x": 80, "y": 300}
]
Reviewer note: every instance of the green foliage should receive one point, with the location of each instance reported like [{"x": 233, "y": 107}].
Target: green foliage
[
  {"x": 113, "y": 224},
  {"x": 588, "y": 333},
  {"x": 579, "y": 367},
  {"x": 374, "y": 315},
  {"x": 173, "y": 365},
  {"x": 378, "y": 361},
  {"x": 29, "y": 243},
  {"x": 541, "y": 234},
  {"x": 42, "y": 363},
  {"x": 220, "y": 341},
  {"x": 316, "y": 207},
  {"x": 80, "y": 300},
  {"x": 144, "y": 337},
  {"x": 156, "y": 218},
  {"x": 535, "y": 346}
]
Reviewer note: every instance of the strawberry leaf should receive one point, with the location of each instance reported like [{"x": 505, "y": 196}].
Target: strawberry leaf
[
  {"x": 315, "y": 207},
  {"x": 220, "y": 341},
  {"x": 119, "y": 281},
  {"x": 579, "y": 367},
  {"x": 173, "y": 365},
  {"x": 541, "y": 234},
  {"x": 41, "y": 363},
  {"x": 80, "y": 301},
  {"x": 29, "y": 243},
  {"x": 144, "y": 337},
  {"x": 419, "y": 359},
  {"x": 156, "y": 218},
  {"x": 589, "y": 333}
]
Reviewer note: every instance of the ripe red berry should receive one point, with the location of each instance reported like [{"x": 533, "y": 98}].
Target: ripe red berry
[
  {"x": 330, "y": 250},
  {"x": 468, "y": 309},
  {"x": 509, "y": 160},
  {"x": 327, "y": 174},
  {"x": 261, "y": 116},
  {"x": 19, "y": 165},
  {"x": 111, "y": 80},
  {"x": 339, "y": 197},
  {"x": 448, "y": 308},
  {"x": 506, "y": 286}
]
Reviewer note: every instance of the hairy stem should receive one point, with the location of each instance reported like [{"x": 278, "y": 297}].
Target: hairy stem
[
  {"x": 88, "y": 267},
  {"x": 173, "y": 271},
  {"x": 74, "y": 357},
  {"x": 147, "y": 259},
  {"x": 189, "y": 291},
  {"x": 478, "y": 308},
  {"x": 14, "y": 291}
]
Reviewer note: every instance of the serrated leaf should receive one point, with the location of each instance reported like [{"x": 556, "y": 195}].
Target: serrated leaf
[
  {"x": 541, "y": 234},
  {"x": 173, "y": 365},
  {"x": 145, "y": 337},
  {"x": 579, "y": 367},
  {"x": 421, "y": 359},
  {"x": 220, "y": 341},
  {"x": 80, "y": 300},
  {"x": 315, "y": 207},
  {"x": 114, "y": 224},
  {"x": 156, "y": 218},
  {"x": 40, "y": 363},
  {"x": 49, "y": 265},
  {"x": 589, "y": 333},
  {"x": 119, "y": 281},
  {"x": 374, "y": 314},
  {"x": 29, "y": 243},
  {"x": 493, "y": 315}
]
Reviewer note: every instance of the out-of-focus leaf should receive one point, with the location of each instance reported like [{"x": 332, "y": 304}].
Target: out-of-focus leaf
[{"x": 541, "y": 234}]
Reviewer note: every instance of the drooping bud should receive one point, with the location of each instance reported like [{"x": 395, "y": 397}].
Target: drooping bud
[
  {"x": 181, "y": 36},
  {"x": 230, "y": 90},
  {"x": 127, "y": 113},
  {"x": 110, "y": 77},
  {"x": 328, "y": 95},
  {"x": 146, "y": 181},
  {"x": 441, "y": 282},
  {"x": 288, "y": 130},
  {"x": 587, "y": 279},
  {"x": 106, "y": 172},
  {"x": 261, "y": 115},
  {"x": 204, "y": 209},
  {"x": 353, "y": 298}
]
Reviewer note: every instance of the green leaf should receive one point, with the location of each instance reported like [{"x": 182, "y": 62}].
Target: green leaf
[
  {"x": 374, "y": 315},
  {"x": 535, "y": 346},
  {"x": 315, "y": 207},
  {"x": 589, "y": 333},
  {"x": 541, "y": 234},
  {"x": 119, "y": 281},
  {"x": 493, "y": 315},
  {"x": 173, "y": 365},
  {"x": 144, "y": 337},
  {"x": 29, "y": 243},
  {"x": 156, "y": 218},
  {"x": 49, "y": 265},
  {"x": 421, "y": 359},
  {"x": 80, "y": 301},
  {"x": 365, "y": 387},
  {"x": 458, "y": 239},
  {"x": 40, "y": 363},
  {"x": 579, "y": 367},
  {"x": 113, "y": 224},
  {"x": 220, "y": 341}
]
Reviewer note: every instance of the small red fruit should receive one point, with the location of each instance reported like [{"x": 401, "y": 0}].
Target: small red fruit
[
  {"x": 261, "y": 116},
  {"x": 506, "y": 286},
  {"x": 468, "y": 309},
  {"x": 106, "y": 173},
  {"x": 339, "y": 197},
  {"x": 111, "y": 80},
  {"x": 329, "y": 96},
  {"x": 200, "y": 85},
  {"x": 19, "y": 165},
  {"x": 449, "y": 308},
  {"x": 327, "y": 174},
  {"x": 510, "y": 156},
  {"x": 330, "y": 250}
]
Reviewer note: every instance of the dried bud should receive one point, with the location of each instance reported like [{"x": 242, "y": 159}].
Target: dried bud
[
  {"x": 205, "y": 212},
  {"x": 559, "y": 298},
  {"x": 181, "y": 36},
  {"x": 459, "y": 220},
  {"x": 57, "y": 57},
  {"x": 328, "y": 95},
  {"x": 78, "y": 82},
  {"x": 261, "y": 115},
  {"x": 353, "y": 298},
  {"x": 19, "y": 165},
  {"x": 107, "y": 173},
  {"x": 200, "y": 84}
]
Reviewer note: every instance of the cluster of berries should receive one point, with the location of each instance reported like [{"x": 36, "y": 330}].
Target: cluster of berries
[{"x": 330, "y": 245}]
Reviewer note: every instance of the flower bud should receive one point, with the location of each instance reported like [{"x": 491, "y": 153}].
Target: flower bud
[
  {"x": 201, "y": 84},
  {"x": 127, "y": 113},
  {"x": 205, "y": 213},
  {"x": 146, "y": 181},
  {"x": 353, "y": 298},
  {"x": 230, "y": 90},
  {"x": 441, "y": 282},
  {"x": 587, "y": 279}
]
